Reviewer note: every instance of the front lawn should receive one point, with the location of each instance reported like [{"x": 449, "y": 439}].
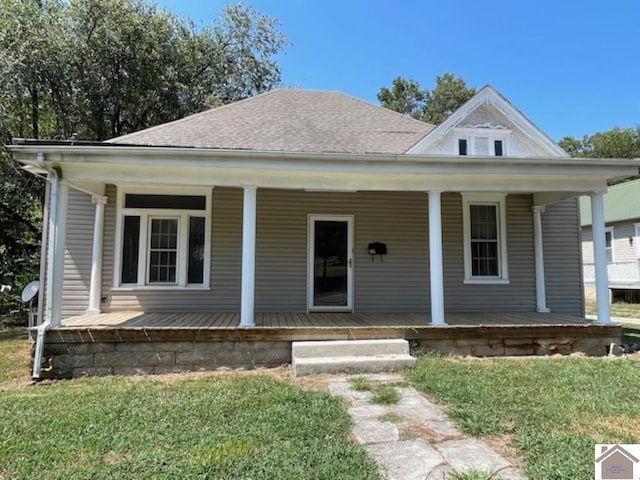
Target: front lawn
[
  {"x": 14, "y": 357},
  {"x": 618, "y": 309},
  {"x": 212, "y": 427},
  {"x": 553, "y": 409}
]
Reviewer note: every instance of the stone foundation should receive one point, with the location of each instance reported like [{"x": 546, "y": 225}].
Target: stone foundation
[
  {"x": 73, "y": 352},
  {"x": 67, "y": 360}
]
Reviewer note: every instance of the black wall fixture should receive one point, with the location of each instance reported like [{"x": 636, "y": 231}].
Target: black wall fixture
[{"x": 377, "y": 248}]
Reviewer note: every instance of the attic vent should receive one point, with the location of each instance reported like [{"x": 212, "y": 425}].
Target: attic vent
[{"x": 481, "y": 145}]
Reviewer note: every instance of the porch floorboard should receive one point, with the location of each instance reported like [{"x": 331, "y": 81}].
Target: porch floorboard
[{"x": 131, "y": 319}]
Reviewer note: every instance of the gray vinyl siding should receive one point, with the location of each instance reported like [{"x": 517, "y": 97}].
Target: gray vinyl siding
[
  {"x": 397, "y": 283},
  {"x": 562, "y": 258},
  {"x": 624, "y": 242},
  {"x": 77, "y": 255},
  {"x": 519, "y": 294},
  {"x": 226, "y": 264}
]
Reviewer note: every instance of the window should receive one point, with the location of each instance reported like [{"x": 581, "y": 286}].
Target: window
[
  {"x": 497, "y": 147},
  {"x": 482, "y": 141},
  {"x": 608, "y": 238},
  {"x": 485, "y": 259},
  {"x": 637, "y": 239},
  {"x": 163, "y": 239},
  {"x": 462, "y": 146}
]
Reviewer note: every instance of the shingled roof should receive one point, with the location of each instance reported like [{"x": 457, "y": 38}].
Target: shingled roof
[{"x": 292, "y": 121}]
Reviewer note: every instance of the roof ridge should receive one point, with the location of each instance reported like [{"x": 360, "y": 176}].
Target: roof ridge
[{"x": 178, "y": 121}]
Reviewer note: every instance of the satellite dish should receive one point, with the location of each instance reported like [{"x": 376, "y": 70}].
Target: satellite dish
[{"x": 30, "y": 291}]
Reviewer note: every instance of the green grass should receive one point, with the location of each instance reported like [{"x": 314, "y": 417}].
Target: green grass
[
  {"x": 383, "y": 393},
  {"x": 618, "y": 309},
  {"x": 555, "y": 410},
  {"x": 473, "y": 475},
  {"x": 14, "y": 357},
  {"x": 240, "y": 427},
  {"x": 214, "y": 427}
]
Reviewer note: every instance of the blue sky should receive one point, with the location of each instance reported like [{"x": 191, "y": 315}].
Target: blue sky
[{"x": 572, "y": 67}]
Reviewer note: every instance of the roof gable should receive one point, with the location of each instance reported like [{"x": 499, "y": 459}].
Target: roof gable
[
  {"x": 290, "y": 120},
  {"x": 489, "y": 113}
]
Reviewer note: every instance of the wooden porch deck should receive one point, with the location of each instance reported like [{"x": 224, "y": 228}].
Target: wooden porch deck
[
  {"x": 138, "y": 342},
  {"x": 212, "y": 320}
]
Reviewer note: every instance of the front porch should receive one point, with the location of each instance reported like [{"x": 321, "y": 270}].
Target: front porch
[{"x": 153, "y": 343}]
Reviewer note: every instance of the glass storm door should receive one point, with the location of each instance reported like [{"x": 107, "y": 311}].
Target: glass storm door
[{"x": 330, "y": 263}]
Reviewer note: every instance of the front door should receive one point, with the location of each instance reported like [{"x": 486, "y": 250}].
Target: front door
[{"x": 330, "y": 282}]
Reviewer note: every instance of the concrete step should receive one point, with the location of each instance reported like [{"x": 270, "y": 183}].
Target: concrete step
[
  {"x": 351, "y": 364},
  {"x": 354, "y": 348},
  {"x": 350, "y": 356}
]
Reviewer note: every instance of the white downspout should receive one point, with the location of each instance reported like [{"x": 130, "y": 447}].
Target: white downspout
[{"x": 48, "y": 309}]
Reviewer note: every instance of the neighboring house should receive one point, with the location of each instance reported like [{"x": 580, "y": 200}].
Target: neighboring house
[
  {"x": 302, "y": 201},
  {"x": 622, "y": 217}
]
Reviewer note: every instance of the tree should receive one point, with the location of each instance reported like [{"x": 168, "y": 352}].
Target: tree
[
  {"x": 449, "y": 94},
  {"x": 434, "y": 106},
  {"x": 104, "y": 68},
  {"x": 614, "y": 143},
  {"x": 405, "y": 96}
]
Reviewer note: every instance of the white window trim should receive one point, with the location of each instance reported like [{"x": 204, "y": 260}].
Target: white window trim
[
  {"x": 613, "y": 237},
  {"x": 470, "y": 133},
  {"x": 499, "y": 200},
  {"x": 183, "y": 240},
  {"x": 637, "y": 239}
]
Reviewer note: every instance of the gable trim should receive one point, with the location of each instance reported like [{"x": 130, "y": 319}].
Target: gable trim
[{"x": 488, "y": 95}]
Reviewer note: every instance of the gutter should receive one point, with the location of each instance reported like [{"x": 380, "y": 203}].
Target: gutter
[{"x": 54, "y": 179}]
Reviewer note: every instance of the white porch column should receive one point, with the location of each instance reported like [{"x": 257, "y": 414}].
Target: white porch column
[
  {"x": 57, "y": 234},
  {"x": 435, "y": 259},
  {"x": 600, "y": 256},
  {"x": 95, "y": 289},
  {"x": 541, "y": 293},
  {"x": 248, "y": 257}
]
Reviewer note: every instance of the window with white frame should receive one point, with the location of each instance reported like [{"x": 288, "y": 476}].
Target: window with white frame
[
  {"x": 637, "y": 239},
  {"x": 485, "y": 252},
  {"x": 164, "y": 239},
  {"x": 608, "y": 238}
]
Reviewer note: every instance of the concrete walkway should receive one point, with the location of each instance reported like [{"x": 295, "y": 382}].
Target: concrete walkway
[{"x": 413, "y": 439}]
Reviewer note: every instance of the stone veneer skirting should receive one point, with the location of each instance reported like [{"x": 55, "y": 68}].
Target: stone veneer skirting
[{"x": 120, "y": 351}]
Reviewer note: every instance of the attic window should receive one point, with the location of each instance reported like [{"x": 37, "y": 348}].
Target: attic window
[
  {"x": 462, "y": 146},
  {"x": 483, "y": 146},
  {"x": 497, "y": 148}
]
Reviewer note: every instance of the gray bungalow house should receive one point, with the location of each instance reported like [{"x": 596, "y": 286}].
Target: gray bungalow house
[{"x": 318, "y": 212}]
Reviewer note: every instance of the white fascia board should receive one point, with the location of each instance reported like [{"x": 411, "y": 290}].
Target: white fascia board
[{"x": 306, "y": 170}]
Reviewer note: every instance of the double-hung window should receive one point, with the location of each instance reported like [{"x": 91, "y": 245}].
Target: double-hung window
[
  {"x": 164, "y": 239},
  {"x": 484, "y": 229}
]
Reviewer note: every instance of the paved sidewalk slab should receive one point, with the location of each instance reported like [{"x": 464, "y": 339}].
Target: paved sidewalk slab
[{"x": 434, "y": 453}]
